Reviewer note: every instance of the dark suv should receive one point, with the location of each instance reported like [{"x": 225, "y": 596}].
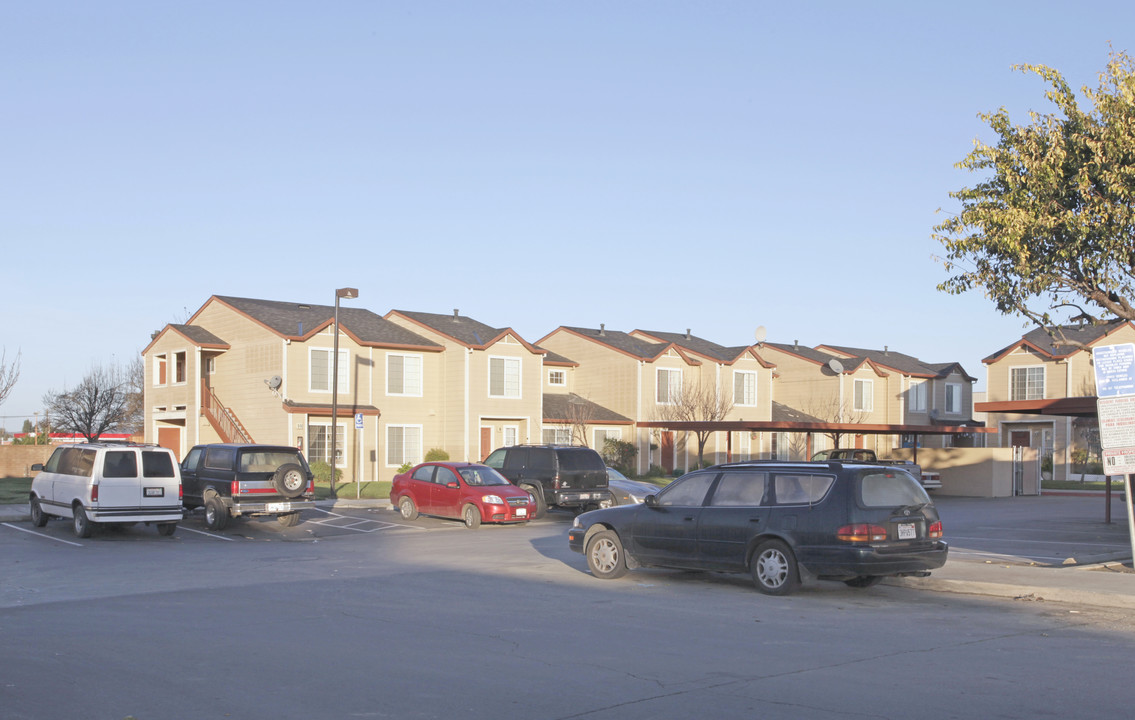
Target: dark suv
[
  {"x": 231, "y": 480},
  {"x": 852, "y": 522},
  {"x": 566, "y": 476}
]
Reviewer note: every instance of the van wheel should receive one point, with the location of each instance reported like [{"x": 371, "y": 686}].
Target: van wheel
[
  {"x": 864, "y": 581},
  {"x": 472, "y": 517},
  {"x": 774, "y": 568},
  {"x": 541, "y": 508},
  {"x": 166, "y": 529},
  {"x": 605, "y": 558},
  {"x": 216, "y": 514},
  {"x": 289, "y": 519},
  {"x": 39, "y": 517},
  {"x": 81, "y": 523},
  {"x": 290, "y": 480}
]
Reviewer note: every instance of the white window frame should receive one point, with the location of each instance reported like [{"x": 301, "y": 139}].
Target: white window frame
[
  {"x": 916, "y": 396},
  {"x": 750, "y": 378},
  {"x": 557, "y": 434},
  {"x": 557, "y": 377},
  {"x": 412, "y": 458},
  {"x": 506, "y": 361},
  {"x": 161, "y": 361},
  {"x": 614, "y": 433},
  {"x": 1029, "y": 382},
  {"x": 344, "y": 364},
  {"x": 954, "y": 398},
  {"x": 179, "y": 357},
  {"x": 863, "y": 400},
  {"x": 673, "y": 389},
  {"x": 340, "y": 440},
  {"x": 415, "y": 391}
]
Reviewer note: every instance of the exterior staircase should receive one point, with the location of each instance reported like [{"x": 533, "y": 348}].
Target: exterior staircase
[{"x": 223, "y": 420}]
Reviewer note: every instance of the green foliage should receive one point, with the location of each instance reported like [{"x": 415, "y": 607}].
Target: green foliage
[
  {"x": 655, "y": 471},
  {"x": 405, "y": 467},
  {"x": 1051, "y": 224},
  {"x": 619, "y": 454},
  {"x": 322, "y": 472},
  {"x": 436, "y": 455}
]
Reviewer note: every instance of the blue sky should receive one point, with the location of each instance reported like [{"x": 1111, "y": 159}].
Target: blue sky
[{"x": 657, "y": 165}]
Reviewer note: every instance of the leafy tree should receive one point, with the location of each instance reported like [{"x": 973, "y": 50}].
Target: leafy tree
[
  {"x": 99, "y": 404},
  {"x": 1053, "y": 224}
]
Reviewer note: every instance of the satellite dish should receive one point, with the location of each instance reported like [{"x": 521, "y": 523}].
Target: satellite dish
[
  {"x": 760, "y": 334},
  {"x": 836, "y": 366},
  {"x": 274, "y": 382}
]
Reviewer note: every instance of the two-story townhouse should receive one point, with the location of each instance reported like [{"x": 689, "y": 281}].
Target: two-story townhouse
[
  {"x": 571, "y": 419},
  {"x": 636, "y": 378},
  {"x": 1045, "y": 369},
  {"x": 920, "y": 393},
  {"x": 489, "y": 392},
  {"x": 743, "y": 379},
  {"x": 249, "y": 370}
]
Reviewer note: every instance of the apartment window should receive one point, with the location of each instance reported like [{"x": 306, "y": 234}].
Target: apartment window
[
  {"x": 602, "y": 435},
  {"x": 504, "y": 377},
  {"x": 509, "y": 435},
  {"x": 557, "y": 435},
  {"x": 864, "y": 400},
  {"x": 1026, "y": 383},
  {"x": 319, "y": 443},
  {"x": 404, "y": 375},
  {"x": 669, "y": 386},
  {"x": 160, "y": 371},
  {"x": 557, "y": 377},
  {"x": 179, "y": 367},
  {"x": 916, "y": 396},
  {"x": 744, "y": 387},
  {"x": 321, "y": 378},
  {"x": 403, "y": 445},
  {"x": 779, "y": 446},
  {"x": 953, "y": 398}
]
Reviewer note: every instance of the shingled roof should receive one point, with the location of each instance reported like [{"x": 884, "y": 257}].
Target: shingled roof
[
  {"x": 626, "y": 343},
  {"x": 904, "y": 364},
  {"x": 462, "y": 328},
  {"x": 556, "y": 410},
  {"x": 1075, "y": 338},
  {"x": 701, "y": 346},
  {"x": 300, "y": 321}
]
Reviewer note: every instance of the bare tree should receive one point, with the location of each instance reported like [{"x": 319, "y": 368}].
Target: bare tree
[
  {"x": 97, "y": 405},
  {"x": 135, "y": 384},
  {"x": 580, "y": 414},
  {"x": 9, "y": 374},
  {"x": 834, "y": 410},
  {"x": 699, "y": 402}
]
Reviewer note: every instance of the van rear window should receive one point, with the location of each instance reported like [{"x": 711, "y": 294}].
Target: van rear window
[{"x": 157, "y": 464}]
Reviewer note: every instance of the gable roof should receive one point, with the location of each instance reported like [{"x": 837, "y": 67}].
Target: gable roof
[
  {"x": 463, "y": 329},
  {"x": 899, "y": 362},
  {"x": 556, "y": 409},
  {"x": 198, "y": 336},
  {"x": 625, "y": 343},
  {"x": 705, "y": 348},
  {"x": 806, "y": 353},
  {"x": 301, "y": 321},
  {"x": 1078, "y": 337}
]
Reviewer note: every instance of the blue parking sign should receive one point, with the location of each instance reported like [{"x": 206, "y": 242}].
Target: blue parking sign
[{"x": 1115, "y": 369}]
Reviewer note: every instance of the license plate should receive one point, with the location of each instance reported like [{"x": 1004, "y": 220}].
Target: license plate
[
  {"x": 521, "y": 512},
  {"x": 907, "y": 531},
  {"x": 277, "y": 507},
  {"x": 154, "y": 492}
]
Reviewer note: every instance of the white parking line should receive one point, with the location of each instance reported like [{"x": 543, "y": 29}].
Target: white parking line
[
  {"x": 33, "y": 532},
  {"x": 206, "y": 534},
  {"x": 353, "y": 521}
]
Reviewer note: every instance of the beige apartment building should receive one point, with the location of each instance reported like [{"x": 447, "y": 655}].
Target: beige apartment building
[{"x": 1050, "y": 370}]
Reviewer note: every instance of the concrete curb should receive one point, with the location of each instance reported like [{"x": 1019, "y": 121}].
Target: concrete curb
[{"x": 1030, "y": 593}]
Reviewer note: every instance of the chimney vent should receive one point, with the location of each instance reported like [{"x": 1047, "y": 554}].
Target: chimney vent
[{"x": 602, "y": 329}]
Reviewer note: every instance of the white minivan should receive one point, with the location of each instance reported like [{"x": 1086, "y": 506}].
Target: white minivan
[{"x": 108, "y": 483}]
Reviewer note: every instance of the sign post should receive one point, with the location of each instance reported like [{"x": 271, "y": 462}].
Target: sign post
[{"x": 1115, "y": 405}]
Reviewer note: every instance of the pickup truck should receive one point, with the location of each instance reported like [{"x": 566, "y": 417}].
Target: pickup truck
[{"x": 929, "y": 480}]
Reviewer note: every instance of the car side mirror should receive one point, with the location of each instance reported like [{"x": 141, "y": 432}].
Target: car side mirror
[
  {"x": 38, "y": 467},
  {"x": 651, "y": 500},
  {"x": 453, "y": 485}
]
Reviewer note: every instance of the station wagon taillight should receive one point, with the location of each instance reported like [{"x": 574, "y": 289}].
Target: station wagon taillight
[
  {"x": 861, "y": 533},
  {"x": 935, "y": 530}
]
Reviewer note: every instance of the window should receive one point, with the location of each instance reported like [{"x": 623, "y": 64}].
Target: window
[
  {"x": 744, "y": 387},
  {"x": 800, "y": 489},
  {"x": 179, "y": 367},
  {"x": 403, "y": 445},
  {"x": 740, "y": 488},
  {"x": 509, "y": 434},
  {"x": 669, "y": 386},
  {"x": 319, "y": 443},
  {"x": 504, "y": 377},
  {"x": 557, "y": 377},
  {"x": 160, "y": 370},
  {"x": 321, "y": 378},
  {"x": 557, "y": 435},
  {"x": 601, "y": 436},
  {"x": 864, "y": 400},
  {"x": 780, "y": 446},
  {"x": 687, "y": 492},
  {"x": 404, "y": 375},
  {"x": 1026, "y": 383},
  {"x": 953, "y": 398},
  {"x": 916, "y": 396}
]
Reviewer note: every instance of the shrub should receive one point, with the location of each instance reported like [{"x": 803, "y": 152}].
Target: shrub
[
  {"x": 619, "y": 454},
  {"x": 322, "y": 472},
  {"x": 404, "y": 467},
  {"x": 436, "y": 455}
]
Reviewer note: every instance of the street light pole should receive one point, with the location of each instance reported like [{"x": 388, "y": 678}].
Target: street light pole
[{"x": 348, "y": 293}]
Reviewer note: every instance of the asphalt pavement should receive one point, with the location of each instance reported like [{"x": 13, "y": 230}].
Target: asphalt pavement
[{"x": 1050, "y": 548}]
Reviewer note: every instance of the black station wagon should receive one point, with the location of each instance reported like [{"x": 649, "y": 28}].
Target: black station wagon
[{"x": 856, "y": 523}]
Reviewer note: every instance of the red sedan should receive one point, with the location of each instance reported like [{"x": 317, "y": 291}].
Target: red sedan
[{"x": 466, "y": 491}]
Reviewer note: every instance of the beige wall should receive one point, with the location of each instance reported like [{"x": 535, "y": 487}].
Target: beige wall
[
  {"x": 16, "y": 460},
  {"x": 968, "y": 472}
]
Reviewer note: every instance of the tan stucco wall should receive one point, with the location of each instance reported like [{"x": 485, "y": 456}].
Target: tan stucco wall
[
  {"x": 967, "y": 472},
  {"x": 16, "y": 460}
]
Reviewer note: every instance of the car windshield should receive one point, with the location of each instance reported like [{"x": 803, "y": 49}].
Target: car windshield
[
  {"x": 267, "y": 460},
  {"x": 480, "y": 475},
  {"x": 891, "y": 489}
]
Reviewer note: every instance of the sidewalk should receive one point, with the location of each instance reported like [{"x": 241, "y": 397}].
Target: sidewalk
[{"x": 1109, "y": 583}]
